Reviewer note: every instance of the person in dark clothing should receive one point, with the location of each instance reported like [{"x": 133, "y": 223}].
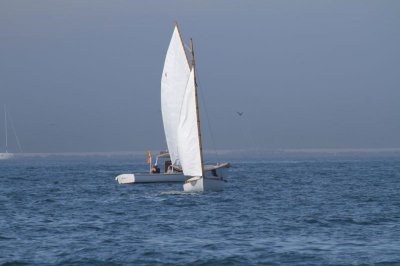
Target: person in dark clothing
[{"x": 155, "y": 169}]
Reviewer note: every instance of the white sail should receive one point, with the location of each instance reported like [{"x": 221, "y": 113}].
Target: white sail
[
  {"x": 188, "y": 132},
  {"x": 173, "y": 83}
]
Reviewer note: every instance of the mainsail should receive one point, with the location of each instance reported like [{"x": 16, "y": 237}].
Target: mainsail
[
  {"x": 188, "y": 132},
  {"x": 173, "y": 83}
]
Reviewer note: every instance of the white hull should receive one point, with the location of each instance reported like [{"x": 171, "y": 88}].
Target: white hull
[
  {"x": 201, "y": 184},
  {"x": 150, "y": 178},
  {"x": 212, "y": 171},
  {"x": 213, "y": 180},
  {"x": 6, "y": 156}
]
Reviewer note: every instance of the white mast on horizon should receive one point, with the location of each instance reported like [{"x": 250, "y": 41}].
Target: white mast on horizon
[{"x": 5, "y": 123}]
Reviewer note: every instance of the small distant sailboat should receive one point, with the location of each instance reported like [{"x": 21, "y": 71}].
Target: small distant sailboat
[
  {"x": 6, "y": 155},
  {"x": 179, "y": 107}
]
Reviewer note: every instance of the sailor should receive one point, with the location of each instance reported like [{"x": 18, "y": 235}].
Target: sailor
[{"x": 155, "y": 169}]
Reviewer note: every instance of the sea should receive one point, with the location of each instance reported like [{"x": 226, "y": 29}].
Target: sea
[{"x": 285, "y": 211}]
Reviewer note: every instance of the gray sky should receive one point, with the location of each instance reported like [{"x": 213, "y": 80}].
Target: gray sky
[{"x": 85, "y": 75}]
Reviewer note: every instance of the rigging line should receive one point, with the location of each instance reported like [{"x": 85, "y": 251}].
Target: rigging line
[
  {"x": 15, "y": 132},
  {"x": 207, "y": 117},
  {"x": 187, "y": 47}
]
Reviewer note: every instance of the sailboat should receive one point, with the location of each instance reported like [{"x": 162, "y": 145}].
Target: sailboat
[
  {"x": 181, "y": 118},
  {"x": 6, "y": 155},
  {"x": 184, "y": 147},
  {"x": 189, "y": 139}
]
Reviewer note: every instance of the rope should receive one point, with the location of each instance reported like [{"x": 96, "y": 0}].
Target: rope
[{"x": 207, "y": 117}]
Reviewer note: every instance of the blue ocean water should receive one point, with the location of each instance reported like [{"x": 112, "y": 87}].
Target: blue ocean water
[{"x": 277, "y": 212}]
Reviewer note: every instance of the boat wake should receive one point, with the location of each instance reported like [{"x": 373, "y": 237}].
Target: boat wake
[{"x": 173, "y": 192}]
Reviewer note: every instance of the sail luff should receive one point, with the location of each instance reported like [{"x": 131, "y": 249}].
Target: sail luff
[
  {"x": 197, "y": 107},
  {"x": 188, "y": 133},
  {"x": 182, "y": 42}
]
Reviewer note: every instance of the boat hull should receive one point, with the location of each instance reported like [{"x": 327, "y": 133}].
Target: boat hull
[
  {"x": 211, "y": 171},
  {"x": 212, "y": 181},
  {"x": 202, "y": 184},
  {"x": 150, "y": 178},
  {"x": 6, "y": 156}
]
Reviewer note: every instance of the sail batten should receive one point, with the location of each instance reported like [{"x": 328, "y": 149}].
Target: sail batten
[{"x": 173, "y": 84}]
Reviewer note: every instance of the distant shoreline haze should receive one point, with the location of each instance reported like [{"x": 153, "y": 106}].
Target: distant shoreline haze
[{"x": 224, "y": 155}]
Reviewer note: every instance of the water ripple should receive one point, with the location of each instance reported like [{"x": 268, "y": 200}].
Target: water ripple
[{"x": 271, "y": 213}]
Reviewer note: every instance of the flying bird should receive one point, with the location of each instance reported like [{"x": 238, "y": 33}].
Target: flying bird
[{"x": 240, "y": 113}]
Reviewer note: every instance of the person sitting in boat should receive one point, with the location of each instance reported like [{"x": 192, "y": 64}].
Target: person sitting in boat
[
  {"x": 155, "y": 169},
  {"x": 167, "y": 165}
]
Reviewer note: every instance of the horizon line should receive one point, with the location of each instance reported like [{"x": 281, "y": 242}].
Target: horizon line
[{"x": 224, "y": 151}]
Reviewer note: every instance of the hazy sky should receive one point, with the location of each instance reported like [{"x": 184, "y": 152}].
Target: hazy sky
[{"x": 85, "y": 75}]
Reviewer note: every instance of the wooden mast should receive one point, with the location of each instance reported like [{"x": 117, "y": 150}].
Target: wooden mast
[{"x": 197, "y": 108}]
